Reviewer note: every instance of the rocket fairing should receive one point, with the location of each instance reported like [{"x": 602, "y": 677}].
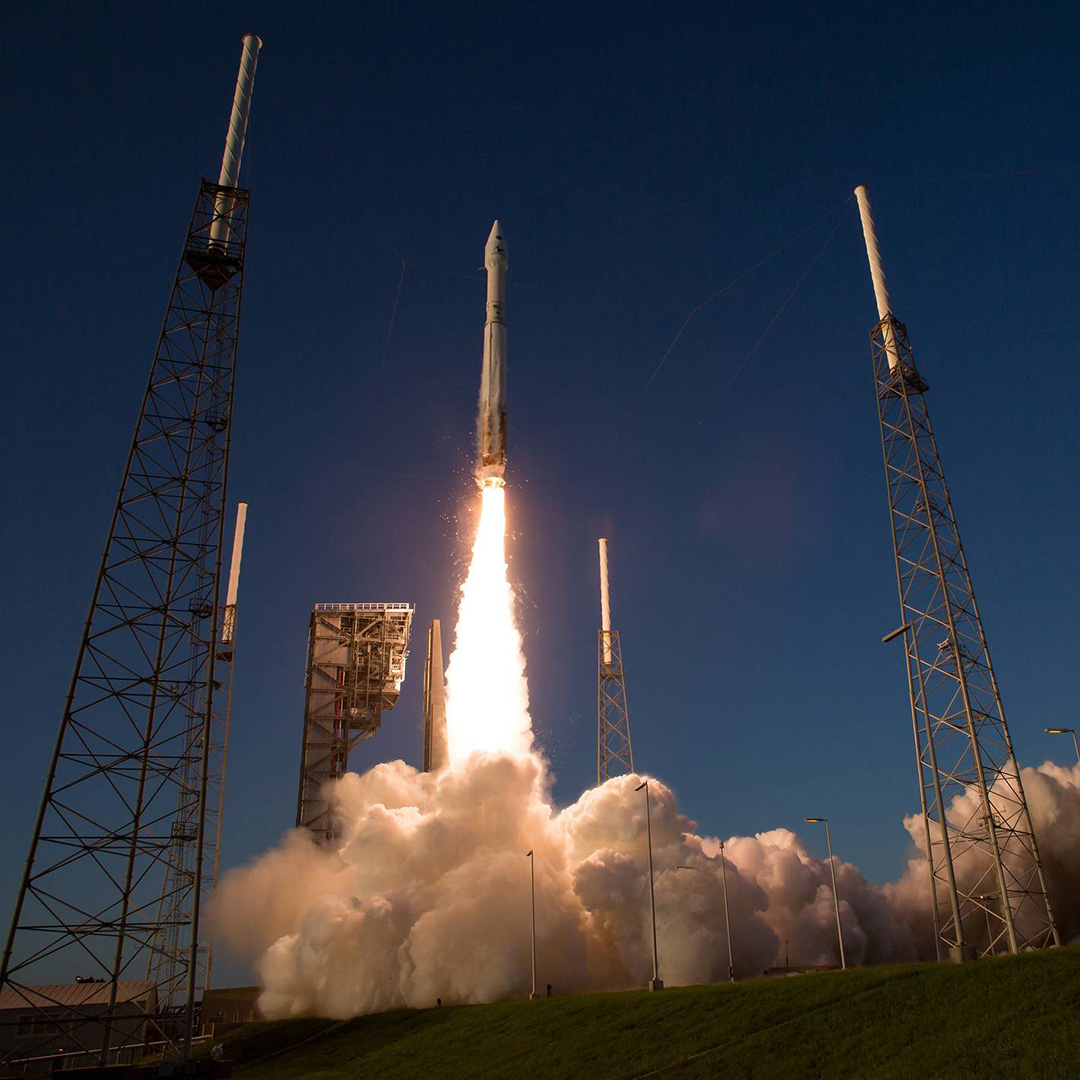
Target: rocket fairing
[{"x": 491, "y": 418}]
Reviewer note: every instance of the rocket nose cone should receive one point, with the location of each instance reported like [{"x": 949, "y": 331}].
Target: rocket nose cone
[{"x": 495, "y": 248}]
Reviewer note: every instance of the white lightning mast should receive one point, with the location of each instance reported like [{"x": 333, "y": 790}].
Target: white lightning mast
[{"x": 614, "y": 755}]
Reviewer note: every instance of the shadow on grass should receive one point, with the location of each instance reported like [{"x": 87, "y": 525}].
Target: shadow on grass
[{"x": 352, "y": 1039}]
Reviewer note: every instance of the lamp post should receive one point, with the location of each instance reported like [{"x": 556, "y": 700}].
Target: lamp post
[
  {"x": 832, "y": 872},
  {"x": 727, "y": 918},
  {"x": 985, "y": 898},
  {"x": 656, "y": 983},
  {"x": 1065, "y": 731},
  {"x": 532, "y": 920}
]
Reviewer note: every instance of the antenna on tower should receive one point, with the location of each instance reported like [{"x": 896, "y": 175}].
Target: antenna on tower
[
  {"x": 614, "y": 756},
  {"x": 981, "y": 851}
]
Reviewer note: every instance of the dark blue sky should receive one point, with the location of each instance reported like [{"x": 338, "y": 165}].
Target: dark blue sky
[{"x": 640, "y": 157}]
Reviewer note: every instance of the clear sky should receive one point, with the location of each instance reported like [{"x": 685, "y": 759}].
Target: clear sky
[{"x": 640, "y": 157}]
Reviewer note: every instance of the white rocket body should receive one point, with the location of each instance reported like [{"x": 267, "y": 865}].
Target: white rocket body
[{"x": 491, "y": 418}]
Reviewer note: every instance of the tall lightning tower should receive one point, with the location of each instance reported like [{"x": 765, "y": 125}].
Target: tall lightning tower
[
  {"x": 614, "y": 757},
  {"x": 984, "y": 864},
  {"x": 116, "y": 865}
]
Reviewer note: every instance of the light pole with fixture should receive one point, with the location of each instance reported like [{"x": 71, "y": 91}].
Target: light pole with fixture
[
  {"x": 532, "y": 920},
  {"x": 832, "y": 871},
  {"x": 656, "y": 983},
  {"x": 1065, "y": 731},
  {"x": 727, "y": 918}
]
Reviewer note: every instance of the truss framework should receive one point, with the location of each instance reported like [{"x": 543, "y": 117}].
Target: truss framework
[
  {"x": 215, "y": 781},
  {"x": 987, "y": 886},
  {"x": 614, "y": 756},
  {"x": 124, "y": 806},
  {"x": 355, "y": 668}
]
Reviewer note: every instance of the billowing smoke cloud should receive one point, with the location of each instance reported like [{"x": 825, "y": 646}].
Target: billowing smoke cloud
[{"x": 427, "y": 894}]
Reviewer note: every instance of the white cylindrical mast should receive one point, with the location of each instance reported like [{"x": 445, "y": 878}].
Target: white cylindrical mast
[
  {"x": 234, "y": 137},
  {"x": 605, "y": 603},
  {"x": 238, "y": 121},
  {"x": 228, "y": 626},
  {"x": 877, "y": 272},
  {"x": 436, "y": 752}
]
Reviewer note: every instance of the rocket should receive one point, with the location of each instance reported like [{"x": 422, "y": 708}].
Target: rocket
[{"x": 491, "y": 417}]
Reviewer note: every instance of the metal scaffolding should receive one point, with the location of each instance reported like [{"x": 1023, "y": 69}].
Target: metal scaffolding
[
  {"x": 126, "y": 790},
  {"x": 614, "y": 755},
  {"x": 355, "y": 668},
  {"x": 985, "y": 870},
  {"x": 981, "y": 852}
]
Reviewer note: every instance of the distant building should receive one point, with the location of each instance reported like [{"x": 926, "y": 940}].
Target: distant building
[
  {"x": 226, "y": 1008},
  {"x": 33, "y": 1017}
]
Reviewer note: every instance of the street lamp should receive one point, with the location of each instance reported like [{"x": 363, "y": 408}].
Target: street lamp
[
  {"x": 832, "y": 871},
  {"x": 727, "y": 919},
  {"x": 1065, "y": 731},
  {"x": 986, "y": 898},
  {"x": 532, "y": 897},
  {"x": 656, "y": 983}
]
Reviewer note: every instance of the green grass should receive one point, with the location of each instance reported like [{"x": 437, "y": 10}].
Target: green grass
[{"x": 1010, "y": 1017}]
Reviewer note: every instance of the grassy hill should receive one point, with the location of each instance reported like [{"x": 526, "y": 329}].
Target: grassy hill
[{"x": 1009, "y": 1017}]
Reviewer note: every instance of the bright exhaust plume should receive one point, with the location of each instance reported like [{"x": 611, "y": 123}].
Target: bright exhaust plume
[{"x": 487, "y": 696}]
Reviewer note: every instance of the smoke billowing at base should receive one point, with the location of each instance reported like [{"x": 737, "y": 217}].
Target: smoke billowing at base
[{"x": 426, "y": 895}]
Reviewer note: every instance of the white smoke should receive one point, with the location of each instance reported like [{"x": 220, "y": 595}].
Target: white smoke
[{"x": 427, "y": 894}]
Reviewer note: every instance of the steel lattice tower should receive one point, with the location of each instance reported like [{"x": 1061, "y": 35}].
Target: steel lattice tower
[
  {"x": 118, "y": 855},
  {"x": 985, "y": 870},
  {"x": 614, "y": 755}
]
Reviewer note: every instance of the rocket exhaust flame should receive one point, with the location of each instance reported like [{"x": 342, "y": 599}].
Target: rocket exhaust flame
[{"x": 487, "y": 703}]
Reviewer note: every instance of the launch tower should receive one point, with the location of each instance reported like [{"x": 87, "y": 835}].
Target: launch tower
[
  {"x": 118, "y": 853},
  {"x": 614, "y": 757},
  {"x": 984, "y": 864},
  {"x": 355, "y": 668}
]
